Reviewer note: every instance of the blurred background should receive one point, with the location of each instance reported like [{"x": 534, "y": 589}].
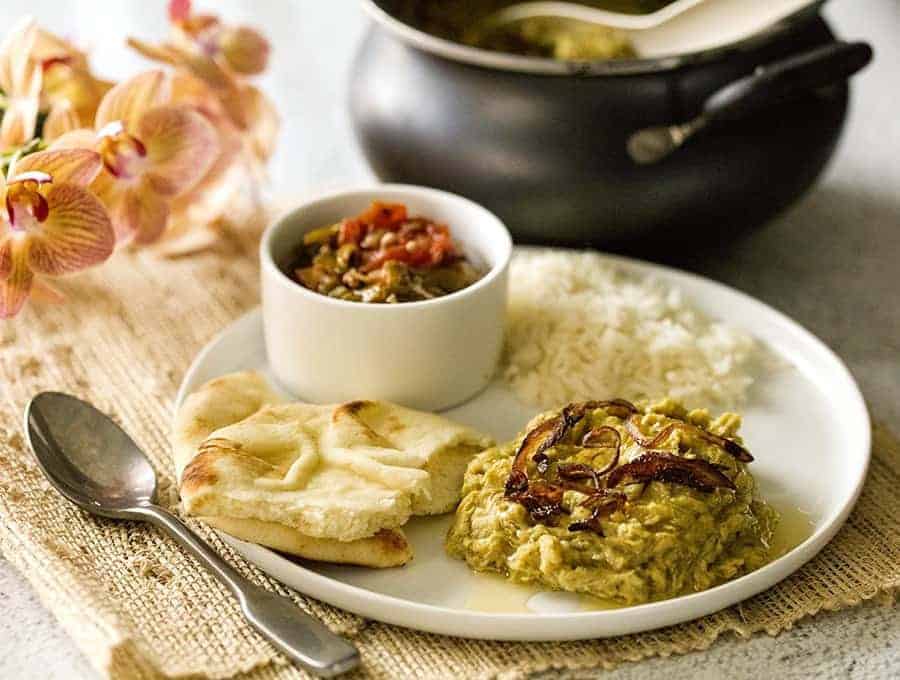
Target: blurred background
[
  {"x": 314, "y": 43},
  {"x": 313, "y": 47}
]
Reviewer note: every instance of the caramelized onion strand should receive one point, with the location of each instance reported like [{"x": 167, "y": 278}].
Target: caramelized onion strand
[
  {"x": 728, "y": 445},
  {"x": 663, "y": 467},
  {"x": 593, "y": 439}
]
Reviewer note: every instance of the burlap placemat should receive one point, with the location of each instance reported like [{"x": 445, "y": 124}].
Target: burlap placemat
[{"x": 140, "y": 608}]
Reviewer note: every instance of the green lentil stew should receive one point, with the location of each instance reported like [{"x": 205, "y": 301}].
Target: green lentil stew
[{"x": 629, "y": 503}]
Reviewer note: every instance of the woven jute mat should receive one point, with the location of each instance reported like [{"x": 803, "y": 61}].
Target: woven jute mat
[{"x": 141, "y": 608}]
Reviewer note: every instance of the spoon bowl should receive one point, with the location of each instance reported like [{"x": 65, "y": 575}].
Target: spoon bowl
[{"x": 88, "y": 457}]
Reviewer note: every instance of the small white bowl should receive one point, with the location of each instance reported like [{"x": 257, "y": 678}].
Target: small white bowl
[{"x": 428, "y": 355}]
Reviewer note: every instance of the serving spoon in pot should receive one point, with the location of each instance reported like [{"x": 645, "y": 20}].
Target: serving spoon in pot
[
  {"x": 579, "y": 12},
  {"x": 96, "y": 465}
]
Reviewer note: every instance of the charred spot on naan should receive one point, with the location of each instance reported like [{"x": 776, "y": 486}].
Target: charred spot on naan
[
  {"x": 353, "y": 411},
  {"x": 350, "y": 408},
  {"x": 392, "y": 540},
  {"x": 392, "y": 424},
  {"x": 200, "y": 473}
]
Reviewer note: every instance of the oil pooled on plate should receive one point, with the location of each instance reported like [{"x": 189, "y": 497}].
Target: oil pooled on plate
[
  {"x": 794, "y": 527},
  {"x": 493, "y": 594}
]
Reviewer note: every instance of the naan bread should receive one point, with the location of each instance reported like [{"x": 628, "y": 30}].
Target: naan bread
[
  {"x": 331, "y": 482},
  {"x": 387, "y": 548}
]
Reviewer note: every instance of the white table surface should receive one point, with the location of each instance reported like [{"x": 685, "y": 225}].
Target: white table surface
[{"x": 832, "y": 262}]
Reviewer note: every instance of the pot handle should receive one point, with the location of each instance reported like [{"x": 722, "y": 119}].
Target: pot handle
[{"x": 787, "y": 78}]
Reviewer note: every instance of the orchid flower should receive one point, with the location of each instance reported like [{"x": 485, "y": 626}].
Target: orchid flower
[
  {"x": 239, "y": 48},
  {"x": 40, "y": 71},
  {"x": 61, "y": 118},
  {"x": 211, "y": 60},
  {"x": 68, "y": 81},
  {"x": 21, "y": 78},
  {"x": 50, "y": 224},
  {"x": 229, "y": 192},
  {"x": 217, "y": 53},
  {"x": 151, "y": 151}
]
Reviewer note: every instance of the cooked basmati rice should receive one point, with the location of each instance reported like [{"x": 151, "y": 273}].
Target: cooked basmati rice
[{"x": 580, "y": 328}]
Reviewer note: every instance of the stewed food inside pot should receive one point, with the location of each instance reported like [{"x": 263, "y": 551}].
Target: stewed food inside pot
[{"x": 467, "y": 22}]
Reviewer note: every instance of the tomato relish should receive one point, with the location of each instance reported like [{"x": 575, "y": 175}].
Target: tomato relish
[{"x": 382, "y": 255}]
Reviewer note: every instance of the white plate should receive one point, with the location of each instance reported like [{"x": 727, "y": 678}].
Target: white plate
[{"x": 806, "y": 423}]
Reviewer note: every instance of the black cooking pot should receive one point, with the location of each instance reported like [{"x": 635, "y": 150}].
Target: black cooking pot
[{"x": 543, "y": 143}]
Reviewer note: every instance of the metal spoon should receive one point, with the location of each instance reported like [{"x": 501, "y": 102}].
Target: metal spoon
[{"x": 96, "y": 465}]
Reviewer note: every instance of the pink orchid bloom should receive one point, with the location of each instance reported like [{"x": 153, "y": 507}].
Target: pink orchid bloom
[
  {"x": 211, "y": 60},
  {"x": 68, "y": 81},
  {"x": 229, "y": 195},
  {"x": 40, "y": 71},
  {"x": 216, "y": 53},
  {"x": 61, "y": 118},
  {"x": 21, "y": 78},
  {"x": 239, "y": 48},
  {"x": 50, "y": 224},
  {"x": 152, "y": 151}
]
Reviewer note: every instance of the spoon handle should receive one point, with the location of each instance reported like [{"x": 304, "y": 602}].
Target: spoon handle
[
  {"x": 786, "y": 79},
  {"x": 295, "y": 633}
]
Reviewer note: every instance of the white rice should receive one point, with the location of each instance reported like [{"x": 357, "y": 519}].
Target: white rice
[{"x": 579, "y": 328}]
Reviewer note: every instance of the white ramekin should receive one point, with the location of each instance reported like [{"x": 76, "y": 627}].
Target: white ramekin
[{"x": 428, "y": 355}]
